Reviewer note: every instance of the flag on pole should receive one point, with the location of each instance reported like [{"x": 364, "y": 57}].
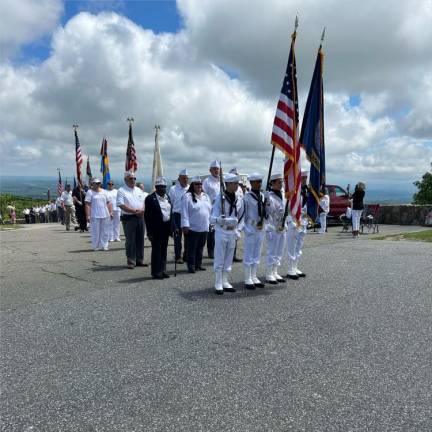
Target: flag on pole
[
  {"x": 75, "y": 183},
  {"x": 157, "y": 159},
  {"x": 131, "y": 159},
  {"x": 312, "y": 136},
  {"x": 285, "y": 133},
  {"x": 78, "y": 156},
  {"x": 59, "y": 184},
  {"x": 88, "y": 169},
  {"x": 104, "y": 163}
]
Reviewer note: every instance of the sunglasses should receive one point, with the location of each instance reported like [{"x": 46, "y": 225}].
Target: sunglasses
[{"x": 131, "y": 178}]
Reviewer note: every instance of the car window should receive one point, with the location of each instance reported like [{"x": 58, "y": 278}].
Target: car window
[{"x": 340, "y": 192}]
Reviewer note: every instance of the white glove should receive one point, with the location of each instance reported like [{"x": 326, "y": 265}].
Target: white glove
[
  {"x": 231, "y": 221},
  {"x": 220, "y": 220},
  {"x": 238, "y": 234},
  {"x": 267, "y": 195}
]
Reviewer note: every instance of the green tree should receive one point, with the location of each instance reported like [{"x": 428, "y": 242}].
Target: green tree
[{"x": 424, "y": 194}]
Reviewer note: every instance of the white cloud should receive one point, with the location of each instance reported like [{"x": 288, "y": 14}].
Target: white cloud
[{"x": 104, "y": 68}]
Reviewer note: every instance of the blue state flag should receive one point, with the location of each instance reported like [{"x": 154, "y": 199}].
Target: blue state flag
[
  {"x": 312, "y": 137},
  {"x": 105, "y": 163}
]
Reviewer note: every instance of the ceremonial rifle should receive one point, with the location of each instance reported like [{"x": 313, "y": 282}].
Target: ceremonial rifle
[
  {"x": 222, "y": 190},
  {"x": 261, "y": 221}
]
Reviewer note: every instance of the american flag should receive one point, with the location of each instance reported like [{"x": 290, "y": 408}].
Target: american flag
[
  {"x": 285, "y": 134},
  {"x": 78, "y": 157},
  {"x": 59, "y": 185},
  {"x": 131, "y": 159}
]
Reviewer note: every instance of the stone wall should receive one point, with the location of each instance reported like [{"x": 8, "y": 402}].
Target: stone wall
[{"x": 406, "y": 214}]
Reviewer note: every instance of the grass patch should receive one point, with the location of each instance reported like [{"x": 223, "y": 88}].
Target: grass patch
[{"x": 424, "y": 236}]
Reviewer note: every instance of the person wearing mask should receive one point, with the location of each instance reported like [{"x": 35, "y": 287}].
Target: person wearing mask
[
  {"x": 158, "y": 224},
  {"x": 211, "y": 186},
  {"x": 227, "y": 217},
  {"x": 98, "y": 212},
  {"x": 275, "y": 229},
  {"x": 357, "y": 207},
  {"x": 195, "y": 220},
  {"x": 323, "y": 210},
  {"x": 130, "y": 200},
  {"x": 254, "y": 218},
  {"x": 176, "y": 194},
  {"x": 114, "y": 231}
]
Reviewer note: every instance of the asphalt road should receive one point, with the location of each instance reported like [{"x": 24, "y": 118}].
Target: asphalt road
[{"x": 88, "y": 345}]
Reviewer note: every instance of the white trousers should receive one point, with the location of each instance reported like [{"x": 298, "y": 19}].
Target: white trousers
[
  {"x": 275, "y": 245},
  {"x": 323, "y": 222},
  {"x": 294, "y": 241},
  {"x": 224, "y": 250},
  {"x": 115, "y": 225},
  {"x": 356, "y": 215},
  {"x": 252, "y": 247},
  {"x": 100, "y": 228}
]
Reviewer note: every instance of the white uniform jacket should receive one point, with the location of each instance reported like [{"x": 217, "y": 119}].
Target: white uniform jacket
[
  {"x": 176, "y": 194},
  {"x": 252, "y": 217},
  {"x": 196, "y": 215},
  {"x": 275, "y": 210},
  {"x": 233, "y": 222},
  {"x": 211, "y": 186}
]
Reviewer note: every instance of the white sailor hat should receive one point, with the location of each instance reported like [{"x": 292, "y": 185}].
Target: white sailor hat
[
  {"x": 255, "y": 177},
  {"x": 304, "y": 173},
  {"x": 215, "y": 164},
  {"x": 231, "y": 178},
  {"x": 129, "y": 174},
  {"x": 160, "y": 181},
  {"x": 195, "y": 179},
  {"x": 276, "y": 176},
  {"x": 183, "y": 172},
  {"x": 234, "y": 171},
  {"x": 96, "y": 180}
]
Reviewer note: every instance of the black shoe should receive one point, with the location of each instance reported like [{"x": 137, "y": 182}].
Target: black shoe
[
  {"x": 184, "y": 258},
  {"x": 191, "y": 270},
  {"x": 157, "y": 277},
  {"x": 271, "y": 282},
  {"x": 211, "y": 256},
  {"x": 301, "y": 274},
  {"x": 141, "y": 264},
  {"x": 259, "y": 285},
  {"x": 235, "y": 259},
  {"x": 229, "y": 289},
  {"x": 249, "y": 287},
  {"x": 165, "y": 275},
  {"x": 281, "y": 280},
  {"x": 293, "y": 277},
  {"x": 218, "y": 292},
  {"x": 201, "y": 268}
]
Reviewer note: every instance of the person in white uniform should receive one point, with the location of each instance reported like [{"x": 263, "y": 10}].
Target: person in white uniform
[
  {"x": 275, "y": 228},
  {"x": 176, "y": 194},
  {"x": 116, "y": 213},
  {"x": 98, "y": 212},
  {"x": 227, "y": 217},
  {"x": 211, "y": 186},
  {"x": 195, "y": 220},
  {"x": 324, "y": 208},
  {"x": 254, "y": 220},
  {"x": 240, "y": 194},
  {"x": 294, "y": 243},
  {"x": 130, "y": 199}
]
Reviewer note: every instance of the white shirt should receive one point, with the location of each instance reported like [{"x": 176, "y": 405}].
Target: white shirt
[
  {"x": 98, "y": 204},
  {"x": 26, "y": 211},
  {"x": 58, "y": 201},
  {"x": 216, "y": 213},
  {"x": 131, "y": 197},
  {"x": 66, "y": 198},
  {"x": 196, "y": 215},
  {"x": 165, "y": 207},
  {"x": 325, "y": 204},
  {"x": 275, "y": 211},
  {"x": 251, "y": 208},
  {"x": 211, "y": 186},
  {"x": 113, "y": 195},
  {"x": 176, "y": 193}
]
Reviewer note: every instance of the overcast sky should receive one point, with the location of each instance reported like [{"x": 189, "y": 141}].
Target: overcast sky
[{"x": 209, "y": 72}]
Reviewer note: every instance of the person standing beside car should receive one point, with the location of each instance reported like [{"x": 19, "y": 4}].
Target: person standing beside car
[{"x": 357, "y": 207}]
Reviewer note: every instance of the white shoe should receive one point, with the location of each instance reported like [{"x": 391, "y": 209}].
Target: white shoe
[
  {"x": 255, "y": 280},
  {"x": 292, "y": 273},
  {"x": 225, "y": 282},
  {"x": 276, "y": 275},
  {"x": 269, "y": 276},
  {"x": 105, "y": 248},
  {"x": 249, "y": 284},
  {"x": 117, "y": 239},
  {"x": 298, "y": 272},
  {"x": 218, "y": 280}
]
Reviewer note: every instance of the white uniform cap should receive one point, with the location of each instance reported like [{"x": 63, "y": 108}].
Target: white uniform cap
[
  {"x": 276, "y": 176},
  {"x": 94, "y": 180},
  {"x": 160, "y": 181},
  {"x": 234, "y": 171},
  {"x": 195, "y": 179},
  {"x": 255, "y": 177},
  {"x": 183, "y": 172},
  {"x": 231, "y": 178},
  {"x": 304, "y": 173},
  {"x": 215, "y": 164},
  {"x": 129, "y": 174}
]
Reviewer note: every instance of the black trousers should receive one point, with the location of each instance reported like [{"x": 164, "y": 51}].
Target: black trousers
[
  {"x": 81, "y": 217},
  {"x": 133, "y": 228},
  {"x": 196, "y": 241},
  {"x": 159, "y": 244},
  {"x": 210, "y": 243}
]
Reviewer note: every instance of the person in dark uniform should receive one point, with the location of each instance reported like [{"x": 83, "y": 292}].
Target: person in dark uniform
[
  {"x": 157, "y": 218},
  {"x": 78, "y": 196}
]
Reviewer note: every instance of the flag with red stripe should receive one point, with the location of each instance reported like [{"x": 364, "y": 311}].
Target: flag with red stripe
[
  {"x": 131, "y": 159},
  {"x": 285, "y": 134},
  {"x": 78, "y": 157},
  {"x": 59, "y": 185}
]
